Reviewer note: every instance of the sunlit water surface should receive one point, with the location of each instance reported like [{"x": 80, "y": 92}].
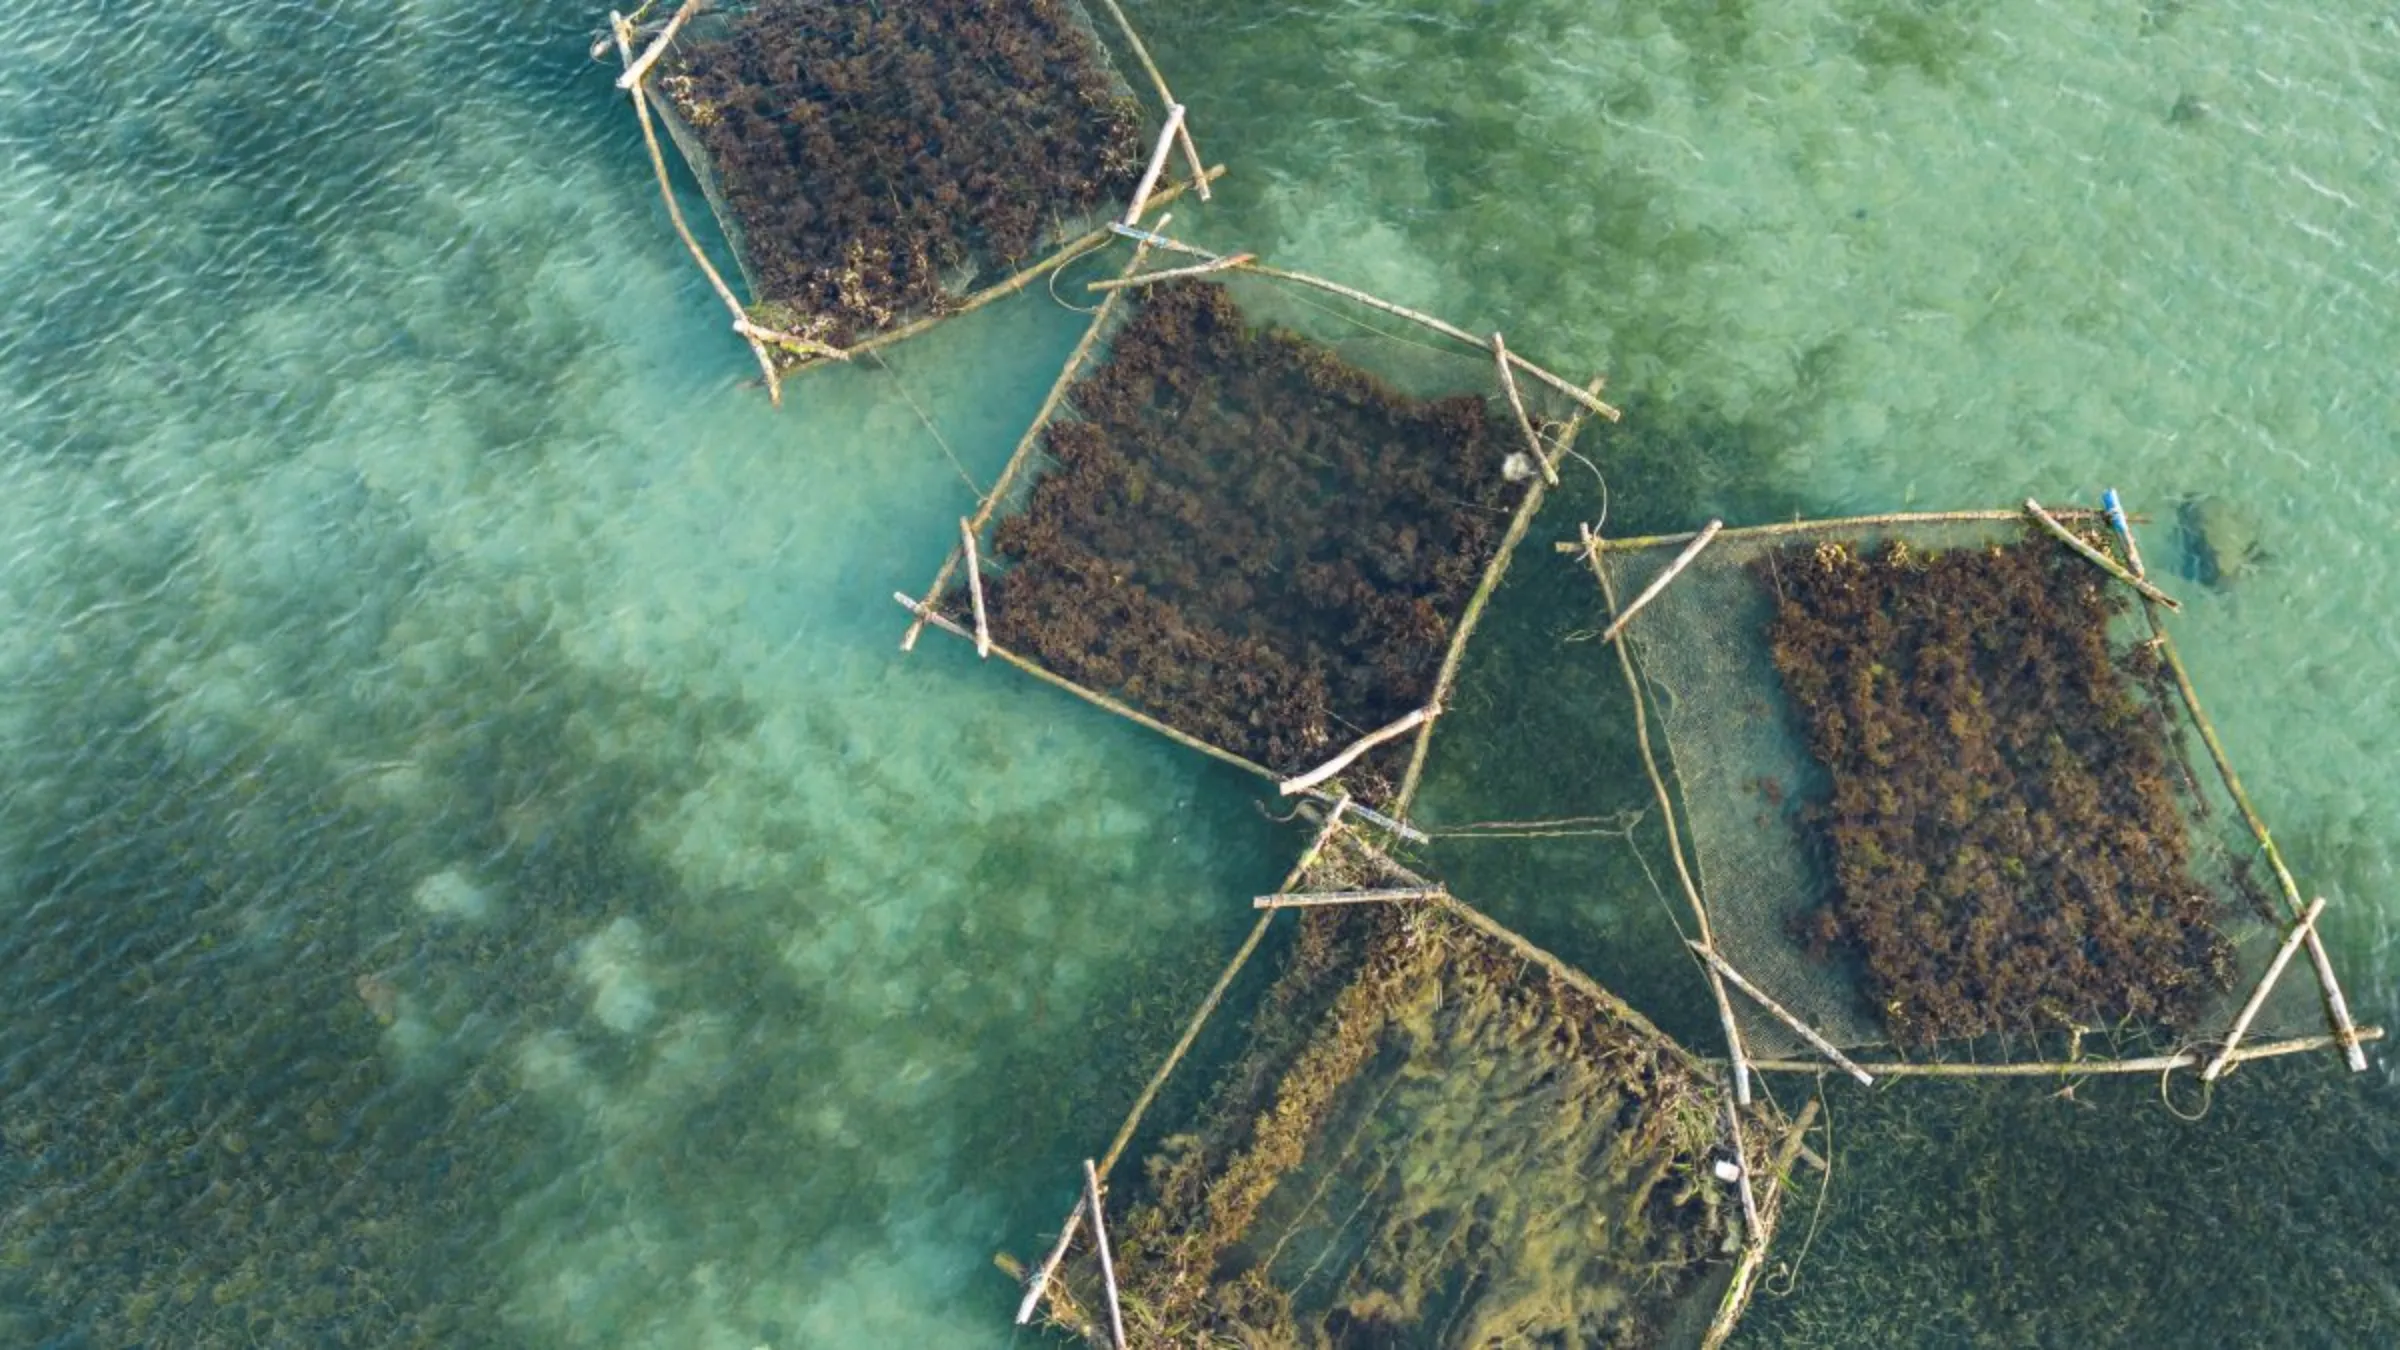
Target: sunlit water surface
[{"x": 474, "y": 869}]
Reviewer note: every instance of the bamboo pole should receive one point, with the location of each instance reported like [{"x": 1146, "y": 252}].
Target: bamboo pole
[
  {"x": 666, "y": 190},
  {"x": 2094, "y": 556},
  {"x": 1591, "y": 402},
  {"x": 1832, "y": 525},
  {"x": 1804, "y": 1030},
  {"x": 2187, "y": 1059},
  {"x": 2337, "y": 1008},
  {"x": 1158, "y": 165},
  {"x": 1310, "y": 899},
  {"x": 1183, "y": 1044},
  {"x": 1674, "y": 569},
  {"x": 1516, "y": 404},
  {"x": 983, "y": 625},
  {"x": 1230, "y": 260},
  {"x": 1025, "y": 444},
  {"x": 1666, "y": 809},
  {"x": 1362, "y": 745},
  {"x": 2115, "y": 511},
  {"x": 1166, "y": 96},
  {"x": 792, "y": 342},
  {"x": 1754, "y": 1234},
  {"x": 634, "y": 71},
  {"x": 1108, "y": 1264},
  {"x": 2266, "y": 986},
  {"x": 1447, "y": 679}
]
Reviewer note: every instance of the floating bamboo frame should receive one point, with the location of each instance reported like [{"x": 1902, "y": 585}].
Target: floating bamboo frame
[
  {"x": 2347, "y": 1035},
  {"x": 807, "y": 351},
  {"x": 2184, "y": 1059},
  {"x": 1831, "y": 525},
  {"x": 1666, "y": 806},
  {"x": 1754, "y": 1255},
  {"x": 1590, "y": 401},
  {"x": 622, "y": 29},
  {"x": 1040, "y": 1282}
]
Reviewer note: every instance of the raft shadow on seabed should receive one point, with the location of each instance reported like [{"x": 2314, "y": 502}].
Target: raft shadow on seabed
[{"x": 877, "y": 169}]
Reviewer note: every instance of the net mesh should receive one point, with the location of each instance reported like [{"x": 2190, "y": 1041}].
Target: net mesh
[
  {"x": 1262, "y": 539},
  {"x": 2044, "y": 951},
  {"x": 1432, "y": 1140},
  {"x": 874, "y": 164}
]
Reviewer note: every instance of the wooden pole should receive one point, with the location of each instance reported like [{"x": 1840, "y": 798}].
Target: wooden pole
[
  {"x": 1309, "y": 899},
  {"x": 1158, "y": 165},
  {"x": 983, "y": 626},
  {"x": 666, "y": 190},
  {"x": 658, "y": 46},
  {"x": 2297, "y": 1045},
  {"x": 1802, "y": 1029},
  {"x": 1166, "y": 96},
  {"x": 1025, "y": 444},
  {"x": 2098, "y": 559},
  {"x": 1833, "y": 525},
  {"x": 1358, "y": 747},
  {"x": 1516, "y": 403},
  {"x": 792, "y": 342},
  {"x": 1674, "y": 569},
  {"x": 1754, "y": 1233},
  {"x": 1108, "y": 1264},
  {"x": 1230, "y": 260},
  {"x": 1666, "y": 810},
  {"x": 2266, "y": 986}
]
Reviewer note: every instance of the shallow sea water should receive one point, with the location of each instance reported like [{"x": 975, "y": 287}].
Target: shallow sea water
[{"x": 474, "y": 870}]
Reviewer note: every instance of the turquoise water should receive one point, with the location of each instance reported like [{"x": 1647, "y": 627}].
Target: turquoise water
[{"x": 476, "y": 870}]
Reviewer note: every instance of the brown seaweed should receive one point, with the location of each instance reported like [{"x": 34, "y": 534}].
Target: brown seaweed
[
  {"x": 874, "y": 155},
  {"x": 1260, "y": 544},
  {"x": 2007, "y": 849}
]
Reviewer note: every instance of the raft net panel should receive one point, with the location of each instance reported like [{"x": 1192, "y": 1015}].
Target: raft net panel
[
  {"x": 1434, "y": 1136},
  {"x": 1943, "y": 796},
  {"x": 872, "y": 165},
  {"x": 1259, "y": 515}
]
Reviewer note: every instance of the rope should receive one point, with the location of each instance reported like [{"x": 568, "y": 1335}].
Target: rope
[{"x": 931, "y": 429}]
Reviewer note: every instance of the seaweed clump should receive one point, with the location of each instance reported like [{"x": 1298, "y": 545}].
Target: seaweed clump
[
  {"x": 1259, "y": 543},
  {"x": 2007, "y": 848},
  {"x": 877, "y": 159},
  {"x": 1422, "y": 1146}
]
